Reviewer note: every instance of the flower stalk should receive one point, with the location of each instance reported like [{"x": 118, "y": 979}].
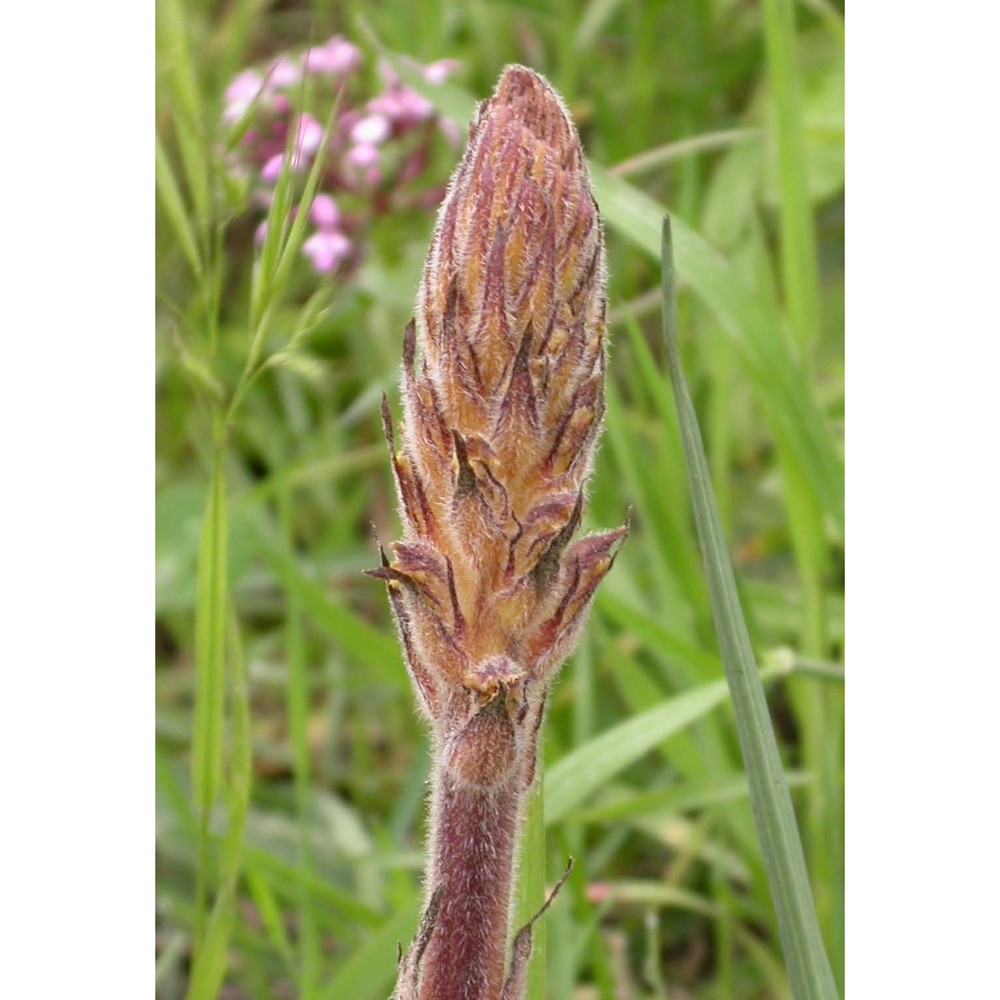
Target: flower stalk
[{"x": 503, "y": 374}]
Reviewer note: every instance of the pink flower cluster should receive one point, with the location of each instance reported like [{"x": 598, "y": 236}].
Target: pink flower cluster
[{"x": 378, "y": 149}]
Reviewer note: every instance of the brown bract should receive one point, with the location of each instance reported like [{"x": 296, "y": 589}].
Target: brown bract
[
  {"x": 503, "y": 392},
  {"x": 503, "y": 374}
]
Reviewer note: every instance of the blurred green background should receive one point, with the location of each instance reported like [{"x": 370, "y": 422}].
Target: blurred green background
[{"x": 290, "y": 761}]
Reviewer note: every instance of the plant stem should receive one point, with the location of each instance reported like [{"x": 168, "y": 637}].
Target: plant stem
[
  {"x": 475, "y": 832},
  {"x": 501, "y": 414}
]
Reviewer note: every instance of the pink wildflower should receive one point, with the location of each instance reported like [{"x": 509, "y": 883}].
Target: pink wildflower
[
  {"x": 272, "y": 168},
  {"x": 326, "y": 250},
  {"x": 310, "y": 135},
  {"x": 371, "y": 130},
  {"x": 377, "y": 151},
  {"x": 438, "y": 72},
  {"x": 402, "y": 106},
  {"x": 284, "y": 72},
  {"x": 363, "y": 155},
  {"x": 451, "y": 132},
  {"x": 325, "y": 212},
  {"x": 336, "y": 56},
  {"x": 240, "y": 94},
  {"x": 269, "y": 172},
  {"x": 389, "y": 76}
]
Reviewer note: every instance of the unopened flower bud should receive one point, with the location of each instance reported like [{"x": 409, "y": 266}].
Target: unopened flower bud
[
  {"x": 503, "y": 392},
  {"x": 503, "y": 375}
]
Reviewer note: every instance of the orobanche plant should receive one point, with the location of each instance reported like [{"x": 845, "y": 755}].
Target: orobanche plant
[{"x": 503, "y": 378}]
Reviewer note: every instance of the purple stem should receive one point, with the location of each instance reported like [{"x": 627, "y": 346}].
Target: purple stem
[{"x": 475, "y": 831}]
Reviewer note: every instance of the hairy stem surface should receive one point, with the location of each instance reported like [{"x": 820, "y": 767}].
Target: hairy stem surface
[{"x": 475, "y": 832}]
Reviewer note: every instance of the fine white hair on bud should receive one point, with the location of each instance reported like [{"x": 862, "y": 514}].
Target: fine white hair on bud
[{"x": 503, "y": 396}]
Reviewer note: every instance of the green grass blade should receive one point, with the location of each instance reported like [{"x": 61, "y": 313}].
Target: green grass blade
[
  {"x": 832, "y": 19},
  {"x": 369, "y": 973},
  {"x": 674, "y": 489},
  {"x": 589, "y": 766},
  {"x": 631, "y": 456},
  {"x": 531, "y": 885},
  {"x": 210, "y": 648},
  {"x": 752, "y": 324},
  {"x": 297, "y": 707},
  {"x": 299, "y": 224},
  {"x": 212, "y": 957},
  {"x": 798, "y": 230},
  {"x": 270, "y": 916},
  {"x": 173, "y": 205},
  {"x": 595, "y": 17},
  {"x": 175, "y": 795},
  {"x": 659, "y": 156},
  {"x": 800, "y": 273},
  {"x": 289, "y": 879},
  {"x": 170, "y": 958},
  {"x": 184, "y": 90},
  {"x": 283, "y": 239},
  {"x": 808, "y": 965},
  {"x": 368, "y": 645},
  {"x": 657, "y": 636},
  {"x": 656, "y": 894},
  {"x": 210, "y": 675},
  {"x": 239, "y": 773},
  {"x": 679, "y": 797}
]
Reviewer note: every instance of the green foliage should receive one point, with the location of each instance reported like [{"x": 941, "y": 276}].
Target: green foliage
[
  {"x": 809, "y": 968},
  {"x": 290, "y": 764}
]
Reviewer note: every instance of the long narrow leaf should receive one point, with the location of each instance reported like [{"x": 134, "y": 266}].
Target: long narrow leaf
[
  {"x": 588, "y": 767},
  {"x": 531, "y": 885},
  {"x": 747, "y": 318},
  {"x": 212, "y": 956},
  {"x": 288, "y": 879},
  {"x": 798, "y": 230},
  {"x": 369, "y": 972},
  {"x": 676, "y": 798},
  {"x": 210, "y": 666},
  {"x": 183, "y": 88},
  {"x": 210, "y": 648},
  {"x": 354, "y": 635},
  {"x": 297, "y": 707},
  {"x": 808, "y": 965},
  {"x": 173, "y": 205}
]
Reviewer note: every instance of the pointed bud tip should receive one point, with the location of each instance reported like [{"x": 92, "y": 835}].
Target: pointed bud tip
[
  {"x": 534, "y": 103},
  {"x": 520, "y": 84}
]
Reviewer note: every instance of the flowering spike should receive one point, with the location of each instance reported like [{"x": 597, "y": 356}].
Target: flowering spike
[{"x": 503, "y": 373}]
